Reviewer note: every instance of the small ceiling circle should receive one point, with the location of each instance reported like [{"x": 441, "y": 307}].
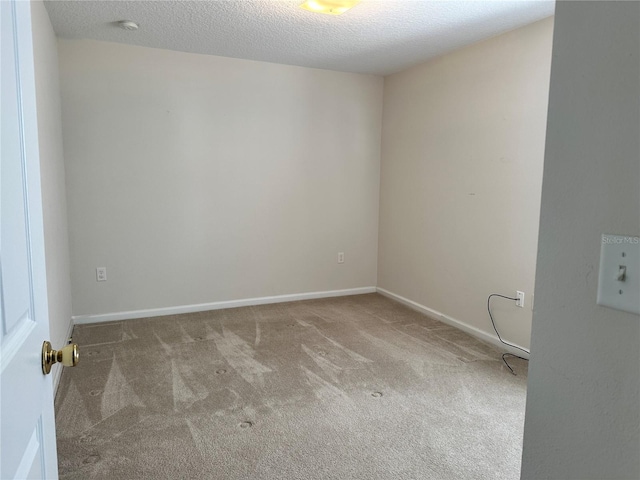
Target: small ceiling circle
[{"x": 128, "y": 25}]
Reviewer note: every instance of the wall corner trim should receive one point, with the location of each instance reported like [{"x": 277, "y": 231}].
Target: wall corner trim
[
  {"x": 202, "y": 307},
  {"x": 476, "y": 332}
]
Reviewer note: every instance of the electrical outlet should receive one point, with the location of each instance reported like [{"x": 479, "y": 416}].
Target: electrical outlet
[
  {"x": 340, "y": 257},
  {"x": 101, "y": 274},
  {"x": 520, "y": 299}
]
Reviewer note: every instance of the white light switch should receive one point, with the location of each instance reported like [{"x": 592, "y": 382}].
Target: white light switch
[{"x": 619, "y": 277}]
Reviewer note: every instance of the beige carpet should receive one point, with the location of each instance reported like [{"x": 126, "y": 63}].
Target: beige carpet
[{"x": 346, "y": 388}]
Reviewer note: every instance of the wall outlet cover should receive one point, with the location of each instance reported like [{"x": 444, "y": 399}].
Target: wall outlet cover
[{"x": 101, "y": 274}]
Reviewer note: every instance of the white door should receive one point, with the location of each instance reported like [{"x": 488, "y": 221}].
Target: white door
[{"x": 27, "y": 440}]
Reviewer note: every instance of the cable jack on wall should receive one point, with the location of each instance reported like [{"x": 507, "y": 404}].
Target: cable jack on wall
[{"x": 493, "y": 323}]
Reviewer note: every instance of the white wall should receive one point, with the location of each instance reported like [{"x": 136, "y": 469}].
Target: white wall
[
  {"x": 199, "y": 179},
  {"x": 53, "y": 176},
  {"x": 462, "y": 155},
  {"x": 583, "y": 404}
]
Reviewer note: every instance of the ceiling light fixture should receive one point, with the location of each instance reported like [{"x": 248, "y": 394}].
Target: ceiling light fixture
[
  {"x": 128, "y": 25},
  {"x": 330, "y": 7}
]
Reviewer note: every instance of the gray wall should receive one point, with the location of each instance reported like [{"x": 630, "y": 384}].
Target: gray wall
[
  {"x": 198, "y": 179},
  {"x": 583, "y": 404},
  {"x": 462, "y": 155},
  {"x": 54, "y": 208}
]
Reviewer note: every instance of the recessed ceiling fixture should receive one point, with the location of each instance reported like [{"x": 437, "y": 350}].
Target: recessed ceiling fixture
[
  {"x": 330, "y": 7},
  {"x": 128, "y": 25}
]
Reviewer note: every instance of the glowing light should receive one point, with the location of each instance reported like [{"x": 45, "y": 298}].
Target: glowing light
[{"x": 330, "y": 7}]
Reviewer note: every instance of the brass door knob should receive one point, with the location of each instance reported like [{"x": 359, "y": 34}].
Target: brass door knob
[{"x": 67, "y": 356}]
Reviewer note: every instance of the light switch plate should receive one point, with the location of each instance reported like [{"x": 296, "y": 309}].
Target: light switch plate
[{"x": 620, "y": 253}]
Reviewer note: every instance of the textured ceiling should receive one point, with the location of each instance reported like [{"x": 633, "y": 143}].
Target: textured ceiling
[{"x": 379, "y": 37}]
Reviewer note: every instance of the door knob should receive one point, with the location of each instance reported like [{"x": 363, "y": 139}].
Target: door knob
[{"x": 67, "y": 356}]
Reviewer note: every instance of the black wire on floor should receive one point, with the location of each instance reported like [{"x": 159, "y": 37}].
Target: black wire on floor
[{"x": 500, "y": 338}]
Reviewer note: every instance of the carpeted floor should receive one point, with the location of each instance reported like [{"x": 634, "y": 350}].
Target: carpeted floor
[{"x": 355, "y": 387}]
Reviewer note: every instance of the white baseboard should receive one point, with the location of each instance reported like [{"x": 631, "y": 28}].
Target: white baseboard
[
  {"x": 57, "y": 369},
  {"x": 476, "y": 332},
  {"x": 201, "y": 307}
]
